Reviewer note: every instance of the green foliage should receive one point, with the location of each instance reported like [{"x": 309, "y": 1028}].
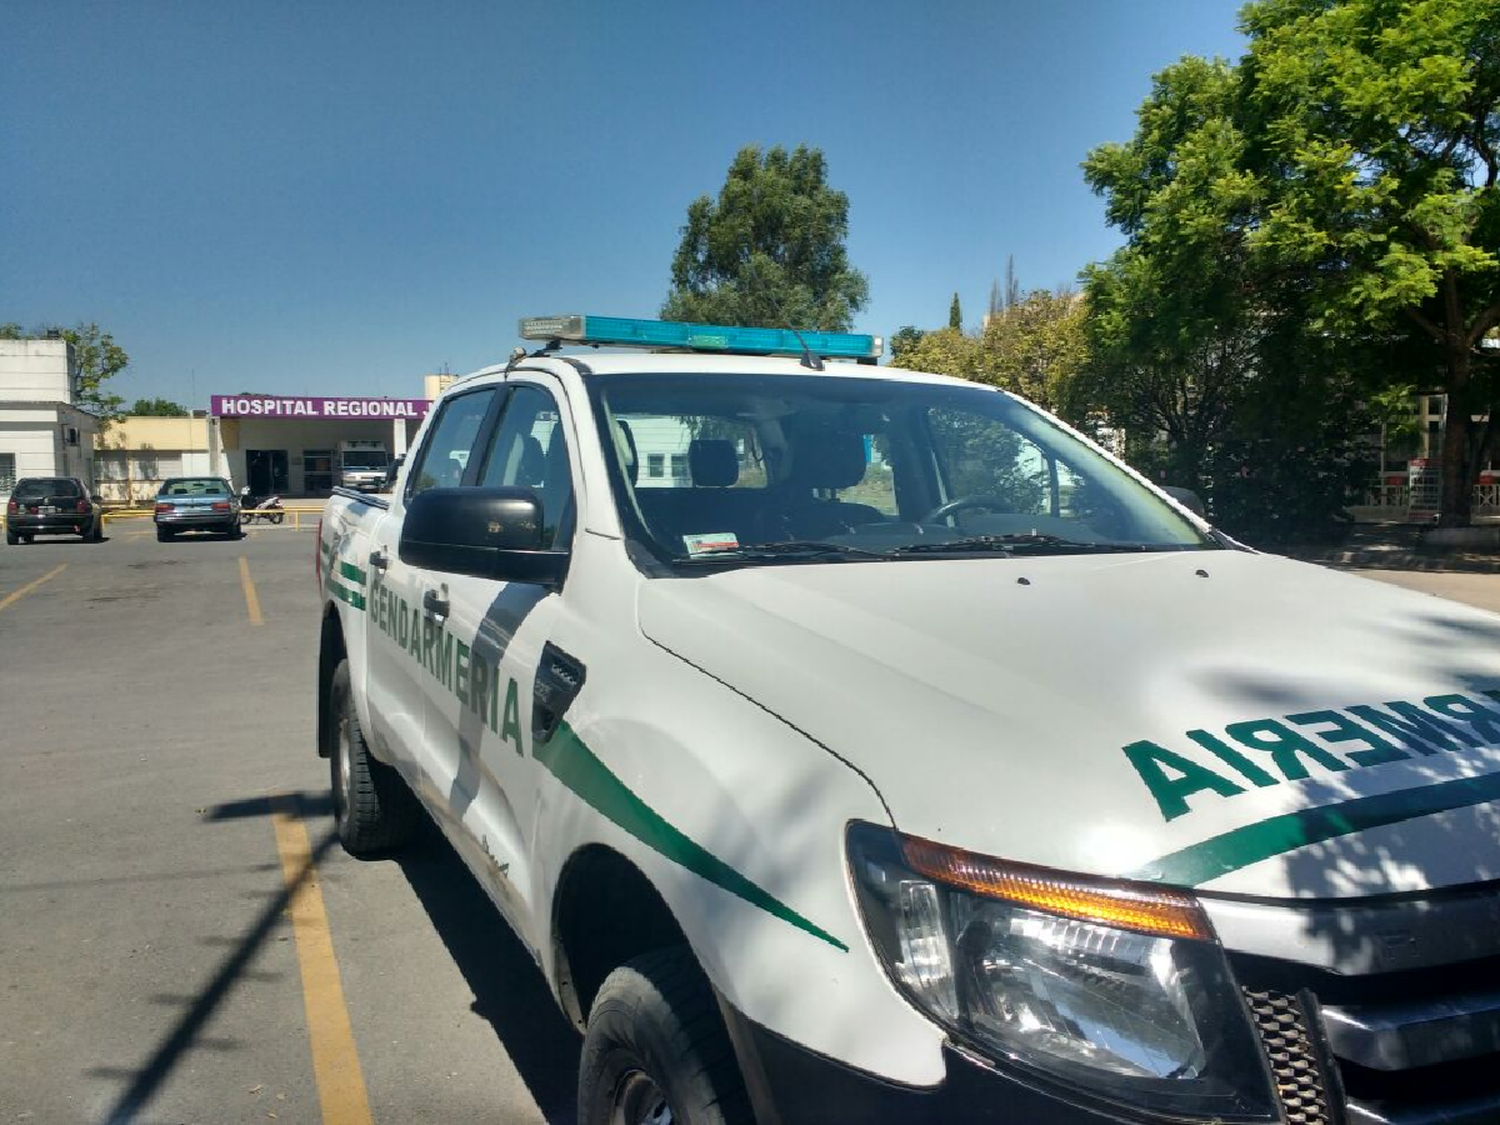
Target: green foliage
[
  {"x": 955, "y": 314},
  {"x": 905, "y": 339},
  {"x": 1378, "y": 136},
  {"x": 97, "y": 357},
  {"x": 1312, "y": 233},
  {"x": 945, "y": 351},
  {"x": 1036, "y": 347},
  {"x": 157, "y": 408},
  {"x": 1383, "y": 121},
  {"x": 770, "y": 252},
  {"x": 1208, "y": 355}
]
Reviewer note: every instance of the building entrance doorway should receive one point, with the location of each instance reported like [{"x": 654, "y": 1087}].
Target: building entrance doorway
[{"x": 267, "y": 470}]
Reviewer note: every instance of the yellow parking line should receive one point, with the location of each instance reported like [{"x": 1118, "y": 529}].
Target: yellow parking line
[
  {"x": 252, "y": 603},
  {"x": 341, "y": 1083},
  {"x": 10, "y": 599}
]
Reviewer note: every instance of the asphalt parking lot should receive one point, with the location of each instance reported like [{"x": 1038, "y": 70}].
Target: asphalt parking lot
[
  {"x": 181, "y": 939},
  {"x": 159, "y": 794}
]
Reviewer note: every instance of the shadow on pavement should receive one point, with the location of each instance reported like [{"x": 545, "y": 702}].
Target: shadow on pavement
[
  {"x": 509, "y": 990},
  {"x": 148, "y": 1078}
]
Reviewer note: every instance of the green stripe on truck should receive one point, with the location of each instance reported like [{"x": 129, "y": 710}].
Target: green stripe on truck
[
  {"x": 1219, "y": 855},
  {"x": 576, "y": 766}
]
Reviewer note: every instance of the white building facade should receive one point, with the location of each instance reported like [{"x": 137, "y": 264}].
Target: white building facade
[{"x": 43, "y": 433}]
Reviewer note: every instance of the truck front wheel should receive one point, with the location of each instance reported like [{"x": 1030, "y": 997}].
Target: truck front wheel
[
  {"x": 372, "y": 807},
  {"x": 656, "y": 1049}
]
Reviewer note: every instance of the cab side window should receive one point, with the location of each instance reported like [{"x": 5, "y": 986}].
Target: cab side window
[
  {"x": 530, "y": 451},
  {"x": 445, "y": 453}
]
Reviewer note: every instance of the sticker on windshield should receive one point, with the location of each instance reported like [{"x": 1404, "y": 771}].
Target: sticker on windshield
[{"x": 711, "y": 541}]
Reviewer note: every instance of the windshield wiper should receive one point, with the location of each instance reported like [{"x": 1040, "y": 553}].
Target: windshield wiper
[
  {"x": 796, "y": 550},
  {"x": 1031, "y": 543}
]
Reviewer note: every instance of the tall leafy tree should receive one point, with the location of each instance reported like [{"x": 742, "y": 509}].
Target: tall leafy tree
[
  {"x": 770, "y": 251},
  {"x": 1205, "y": 353},
  {"x": 97, "y": 357},
  {"x": 1378, "y": 139}
]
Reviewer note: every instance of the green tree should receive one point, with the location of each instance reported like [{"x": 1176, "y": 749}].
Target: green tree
[
  {"x": 1378, "y": 134},
  {"x": 955, "y": 314},
  {"x": 97, "y": 359},
  {"x": 1037, "y": 347},
  {"x": 770, "y": 252},
  {"x": 157, "y": 408},
  {"x": 946, "y": 351},
  {"x": 1208, "y": 355},
  {"x": 903, "y": 341}
]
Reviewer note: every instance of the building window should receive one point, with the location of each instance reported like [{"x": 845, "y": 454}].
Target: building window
[
  {"x": 656, "y": 464},
  {"x": 679, "y": 466},
  {"x": 7, "y": 471}
]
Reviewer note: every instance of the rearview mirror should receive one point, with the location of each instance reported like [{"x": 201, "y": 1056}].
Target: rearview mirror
[
  {"x": 1187, "y": 498},
  {"x": 493, "y": 533}
]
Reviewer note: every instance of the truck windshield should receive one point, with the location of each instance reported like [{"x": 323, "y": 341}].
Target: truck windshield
[
  {"x": 779, "y": 468},
  {"x": 365, "y": 460}
]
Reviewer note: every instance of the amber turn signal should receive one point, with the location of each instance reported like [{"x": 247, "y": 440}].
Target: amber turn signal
[{"x": 1130, "y": 906}]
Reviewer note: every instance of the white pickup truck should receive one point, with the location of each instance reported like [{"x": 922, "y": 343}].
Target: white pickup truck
[{"x": 898, "y": 755}]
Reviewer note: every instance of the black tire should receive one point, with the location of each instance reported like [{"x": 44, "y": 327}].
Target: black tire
[
  {"x": 373, "y": 809},
  {"x": 98, "y": 533},
  {"x": 234, "y": 531},
  {"x": 11, "y": 537},
  {"x": 275, "y": 517},
  {"x": 655, "y": 1036},
  {"x": 165, "y": 535}
]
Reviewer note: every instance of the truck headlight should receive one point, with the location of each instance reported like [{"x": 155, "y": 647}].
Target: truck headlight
[{"x": 1120, "y": 992}]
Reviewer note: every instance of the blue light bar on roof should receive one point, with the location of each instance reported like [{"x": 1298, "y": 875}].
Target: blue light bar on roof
[{"x": 620, "y": 331}]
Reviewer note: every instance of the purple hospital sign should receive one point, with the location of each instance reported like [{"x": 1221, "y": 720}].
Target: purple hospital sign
[{"x": 276, "y": 406}]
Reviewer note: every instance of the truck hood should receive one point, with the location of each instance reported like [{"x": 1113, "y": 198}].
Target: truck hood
[{"x": 1236, "y": 722}]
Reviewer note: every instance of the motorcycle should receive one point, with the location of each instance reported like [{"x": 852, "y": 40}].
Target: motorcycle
[{"x": 268, "y": 508}]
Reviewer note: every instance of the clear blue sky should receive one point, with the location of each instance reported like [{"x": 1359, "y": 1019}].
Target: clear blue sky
[{"x": 338, "y": 197}]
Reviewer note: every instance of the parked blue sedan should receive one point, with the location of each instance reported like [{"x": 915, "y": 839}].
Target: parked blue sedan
[{"x": 196, "y": 504}]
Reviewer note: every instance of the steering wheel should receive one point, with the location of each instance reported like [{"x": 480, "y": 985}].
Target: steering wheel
[{"x": 963, "y": 504}]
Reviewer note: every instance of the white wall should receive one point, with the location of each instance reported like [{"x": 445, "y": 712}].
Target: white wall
[
  {"x": 36, "y": 371},
  {"x": 663, "y": 437},
  {"x": 35, "y": 437}
]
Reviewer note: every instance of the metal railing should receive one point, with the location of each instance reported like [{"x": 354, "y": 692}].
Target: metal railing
[{"x": 1400, "y": 499}]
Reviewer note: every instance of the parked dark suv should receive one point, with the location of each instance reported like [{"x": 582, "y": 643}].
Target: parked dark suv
[{"x": 52, "y": 506}]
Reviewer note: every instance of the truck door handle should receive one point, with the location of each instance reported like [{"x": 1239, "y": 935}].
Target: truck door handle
[
  {"x": 434, "y": 604},
  {"x": 378, "y": 559}
]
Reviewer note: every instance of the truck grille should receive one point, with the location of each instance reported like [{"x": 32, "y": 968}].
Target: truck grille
[
  {"x": 1302, "y": 1085},
  {"x": 1406, "y": 1048}
]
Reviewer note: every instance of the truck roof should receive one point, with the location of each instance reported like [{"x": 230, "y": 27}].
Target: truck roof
[{"x": 636, "y": 362}]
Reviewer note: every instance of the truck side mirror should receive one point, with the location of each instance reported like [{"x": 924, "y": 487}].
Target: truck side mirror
[
  {"x": 1187, "y": 498},
  {"x": 391, "y": 470},
  {"x": 493, "y": 533}
]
